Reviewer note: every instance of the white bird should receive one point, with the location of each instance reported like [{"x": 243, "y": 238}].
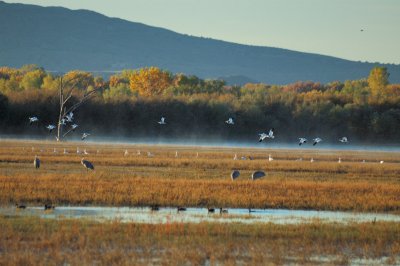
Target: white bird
[
  {"x": 257, "y": 174},
  {"x": 85, "y": 152},
  {"x": 363, "y": 161},
  {"x": 85, "y": 135},
  {"x": 162, "y": 121},
  {"x": 197, "y": 155},
  {"x": 312, "y": 160},
  {"x": 36, "y": 162},
  {"x": 78, "y": 151},
  {"x": 65, "y": 151},
  {"x": 149, "y": 154},
  {"x": 138, "y": 152},
  {"x": 270, "y": 135},
  {"x": 62, "y": 122},
  {"x": 299, "y": 159},
  {"x": 230, "y": 121},
  {"x": 69, "y": 117},
  {"x": 126, "y": 153},
  {"x": 270, "y": 158},
  {"x": 88, "y": 165},
  {"x": 33, "y": 119},
  {"x": 316, "y": 140},
  {"x": 381, "y": 162},
  {"x": 235, "y": 174},
  {"x": 302, "y": 141},
  {"x": 54, "y": 150},
  {"x": 50, "y": 128},
  {"x": 340, "y": 160},
  {"x": 343, "y": 140},
  {"x": 176, "y": 154},
  {"x": 235, "y": 157},
  {"x": 74, "y": 126}
]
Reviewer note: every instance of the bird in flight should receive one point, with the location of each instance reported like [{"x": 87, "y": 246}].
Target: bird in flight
[
  {"x": 230, "y": 121},
  {"x": 302, "y": 141},
  {"x": 270, "y": 135},
  {"x": 74, "y": 126},
  {"x": 316, "y": 140},
  {"x": 343, "y": 140},
  {"x": 85, "y": 135},
  {"x": 50, "y": 128},
  {"x": 33, "y": 119},
  {"x": 162, "y": 121}
]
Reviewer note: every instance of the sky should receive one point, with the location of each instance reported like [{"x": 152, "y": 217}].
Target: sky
[{"x": 359, "y": 30}]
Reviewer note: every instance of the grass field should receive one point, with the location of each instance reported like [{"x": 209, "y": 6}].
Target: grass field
[
  {"x": 32, "y": 241},
  {"x": 198, "y": 177}
]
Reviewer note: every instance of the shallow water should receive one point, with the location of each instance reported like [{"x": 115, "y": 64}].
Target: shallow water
[{"x": 197, "y": 215}]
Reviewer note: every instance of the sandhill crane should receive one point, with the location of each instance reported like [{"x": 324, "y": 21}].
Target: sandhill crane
[
  {"x": 154, "y": 208},
  {"x": 138, "y": 152},
  {"x": 343, "y": 140},
  {"x": 257, "y": 175},
  {"x": 270, "y": 158},
  {"x": 33, "y": 119},
  {"x": 36, "y": 162},
  {"x": 197, "y": 155},
  {"x": 381, "y": 162},
  {"x": 302, "y": 141},
  {"x": 126, "y": 153},
  {"x": 149, "y": 154},
  {"x": 316, "y": 140},
  {"x": 78, "y": 151},
  {"x": 69, "y": 117},
  {"x": 74, "y": 126},
  {"x": 162, "y": 121},
  {"x": 88, "y": 165},
  {"x": 20, "y": 206},
  {"x": 181, "y": 209},
  {"x": 176, "y": 154},
  {"x": 221, "y": 210},
  {"x": 312, "y": 160},
  {"x": 55, "y": 150},
  {"x": 235, "y": 157},
  {"x": 85, "y": 152},
  {"x": 50, "y": 128},
  {"x": 65, "y": 151},
  {"x": 235, "y": 174},
  {"x": 340, "y": 160},
  {"x": 49, "y": 207},
  {"x": 270, "y": 135},
  {"x": 62, "y": 122},
  {"x": 230, "y": 121},
  {"x": 85, "y": 135}
]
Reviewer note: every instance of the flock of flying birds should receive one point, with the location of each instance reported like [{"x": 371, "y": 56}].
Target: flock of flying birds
[{"x": 67, "y": 120}]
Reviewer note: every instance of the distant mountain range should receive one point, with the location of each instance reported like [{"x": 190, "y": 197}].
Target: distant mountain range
[{"x": 60, "y": 39}]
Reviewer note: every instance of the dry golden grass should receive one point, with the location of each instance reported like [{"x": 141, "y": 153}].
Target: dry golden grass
[
  {"x": 32, "y": 241},
  {"x": 199, "y": 181}
]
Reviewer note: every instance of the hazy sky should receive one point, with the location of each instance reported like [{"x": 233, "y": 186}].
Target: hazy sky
[{"x": 316, "y": 26}]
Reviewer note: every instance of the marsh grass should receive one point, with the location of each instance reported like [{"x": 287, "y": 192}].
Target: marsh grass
[
  {"x": 201, "y": 181},
  {"x": 32, "y": 241}
]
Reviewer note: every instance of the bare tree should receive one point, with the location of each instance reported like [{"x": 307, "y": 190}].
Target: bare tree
[{"x": 66, "y": 89}]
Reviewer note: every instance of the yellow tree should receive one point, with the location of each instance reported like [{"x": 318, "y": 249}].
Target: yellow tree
[
  {"x": 150, "y": 81},
  {"x": 377, "y": 81}
]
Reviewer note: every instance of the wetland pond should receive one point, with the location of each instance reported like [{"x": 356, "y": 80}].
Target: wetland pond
[{"x": 197, "y": 215}]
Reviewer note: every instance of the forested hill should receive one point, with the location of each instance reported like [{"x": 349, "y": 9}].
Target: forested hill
[{"x": 60, "y": 39}]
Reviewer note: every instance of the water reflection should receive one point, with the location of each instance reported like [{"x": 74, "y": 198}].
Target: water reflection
[{"x": 197, "y": 215}]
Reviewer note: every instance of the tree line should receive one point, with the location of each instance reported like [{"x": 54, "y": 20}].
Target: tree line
[{"x": 129, "y": 104}]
